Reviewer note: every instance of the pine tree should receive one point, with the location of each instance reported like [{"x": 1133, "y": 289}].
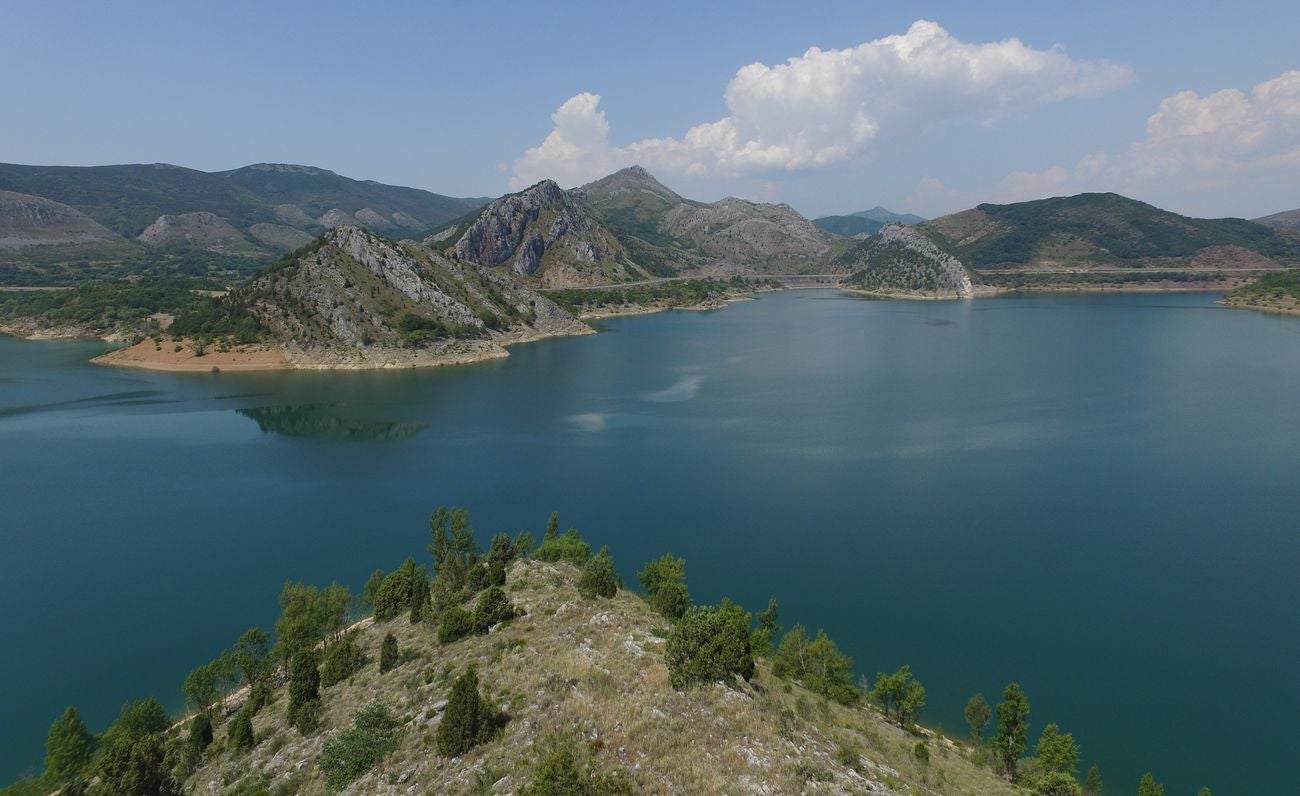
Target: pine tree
[
  {"x": 388, "y": 653},
  {"x": 978, "y": 714},
  {"x": 598, "y": 578},
  {"x": 200, "y": 734},
  {"x": 1092, "y": 783},
  {"x": 664, "y": 580},
  {"x": 1149, "y": 787},
  {"x": 1013, "y": 728},
  {"x": 240, "y": 733},
  {"x": 468, "y": 720},
  {"x": 67, "y": 746},
  {"x": 1057, "y": 751},
  {"x": 304, "y": 691}
]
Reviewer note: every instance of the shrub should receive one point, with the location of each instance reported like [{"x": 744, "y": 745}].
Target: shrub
[
  {"x": 566, "y": 547},
  {"x": 922, "y": 753},
  {"x": 708, "y": 644},
  {"x": 354, "y": 751},
  {"x": 304, "y": 691},
  {"x": 200, "y": 734},
  {"x": 664, "y": 580},
  {"x": 342, "y": 660},
  {"x": 388, "y": 653},
  {"x": 561, "y": 773},
  {"x": 598, "y": 578},
  {"x": 240, "y": 734},
  {"x": 468, "y": 721},
  {"x": 493, "y": 608},
  {"x": 817, "y": 663},
  {"x": 455, "y": 624},
  {"x": 1056, "y": 783}
]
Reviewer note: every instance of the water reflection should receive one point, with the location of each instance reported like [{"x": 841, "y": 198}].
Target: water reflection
[{"x": 326, "y": 421}]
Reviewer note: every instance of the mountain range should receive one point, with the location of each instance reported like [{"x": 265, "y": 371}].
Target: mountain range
[{"x": 865, "y": 222}]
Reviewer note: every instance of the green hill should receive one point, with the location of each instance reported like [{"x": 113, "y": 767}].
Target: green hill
[
  {"x": 1104, "y": 230},
  {"x": 865, "y": 222}
]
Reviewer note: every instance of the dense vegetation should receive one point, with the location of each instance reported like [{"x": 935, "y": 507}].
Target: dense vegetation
[
  {"x": 146, "y": 752},
  {"x": 1030, "y": 279},
  {"x": 1281, "y": 289},
  {"x": 671, "y": 293},
  {"x": 1121, "y": 228},
  {"x": 104, "y": 306},
  {"x": 36, "y": 267}
]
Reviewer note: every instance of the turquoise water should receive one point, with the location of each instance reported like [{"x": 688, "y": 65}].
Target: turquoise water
[{"x": 1094, "y": 495}]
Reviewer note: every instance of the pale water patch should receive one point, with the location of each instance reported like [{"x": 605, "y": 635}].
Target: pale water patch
[
  {"x": 591, "y": 422},
  {"x": 684, "y": 389}
]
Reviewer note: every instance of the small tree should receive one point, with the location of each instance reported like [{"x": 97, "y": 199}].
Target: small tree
[
  {"x": 455, "y": 624},
  {"x": 453, "y": 547},
  {"x": 1092, "y": 783},
  {"x": 567, "y": 547},
  {"x": 978, "y": 714},
  {"x": 468, "y": 721},
  {"x": 1057, "y": 751},
  {"x": 370, "y": 592},
  {"x": 133, "y": 765},
  {"x": 709, "y": 644},
  {"x": 200, "y": 687},
  {"x": 388, "y": 653},
  {"x": 764, "y": 636},
  {"x": 922, "y": 753},
  {"x": 1148, "y": 786},
  {"x": 1013, "y": 728},
  {"x": 304, "y": 692},
  {"x": 792, "y": 656},
  {"x": 598, "y": 578},
  {"x": 252, "y": 655},
  {"x": 664, "y": 580},
  {"x": 524, "y": 544},
  {"x": 68, "y": 746},
  {"x": 200, "y": 734},
  {"x": 300, "y": 624},
  {"x": 240, "y": 733},
  {"x": 1056, "y": 783},
  {"x": 829, "y": 672}
]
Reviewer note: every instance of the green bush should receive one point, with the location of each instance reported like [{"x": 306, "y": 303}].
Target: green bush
[
  {"x": 817, "y": 663},
  {"x": 354, "y": 751},
  {"x": 563, "y": 547},
  {"x": 304, "y": 692},
  {"x": 455, "y": 624},
  {"x": 664, "y": 580},
  {"x": 560, "y": 772},
  {"x": 240, "y": 734},
  {"x": 200, "y": 734},
  {"x": 709, "y": 644},
  {"x": 342, "y": 660},
  {"x": 68, "y": 746},
  {"x": 388, "y": 655},
  {"x": 468, "y": 721},
  {"x": 493, "y": 608},
  {"x": 598, "y": 578}
]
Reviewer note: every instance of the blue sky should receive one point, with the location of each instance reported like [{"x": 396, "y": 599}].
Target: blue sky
[{"x": 1188, "y": 105}]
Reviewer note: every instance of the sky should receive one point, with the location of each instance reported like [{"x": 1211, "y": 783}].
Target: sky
[{"x": 832, "y": 107}]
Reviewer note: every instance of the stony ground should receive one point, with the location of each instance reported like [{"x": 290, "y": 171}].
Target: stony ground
[{"x": 593, "y": 669}]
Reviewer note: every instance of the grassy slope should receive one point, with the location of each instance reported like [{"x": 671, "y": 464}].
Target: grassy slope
[
  {"x": 1280, "y": 291},
  {"x": 594, "y": 667}
]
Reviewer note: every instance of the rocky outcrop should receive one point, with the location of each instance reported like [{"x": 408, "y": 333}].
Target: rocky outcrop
[
  {"x": 294, "y": 215},
  {"x": 373, "y": 220},
  {"x": 358, "y": 300},
  {"x": 28, "y": 222},
  {"x": 338, "y": 218},
  {"x": 543, "y": 234},
  {"x": 902, "y": 261},
  {"x": 204, "y": 230},
  {"x": 279, "y": 237}
]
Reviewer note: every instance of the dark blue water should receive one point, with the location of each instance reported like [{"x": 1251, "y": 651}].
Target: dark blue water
[{"x": 1094, "y": 495}]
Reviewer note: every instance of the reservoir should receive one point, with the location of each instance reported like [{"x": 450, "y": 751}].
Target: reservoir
[{"x": 1097, "y": 496}]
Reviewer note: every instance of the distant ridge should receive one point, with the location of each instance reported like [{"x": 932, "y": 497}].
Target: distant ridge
[{"x": 865, "y": 222}]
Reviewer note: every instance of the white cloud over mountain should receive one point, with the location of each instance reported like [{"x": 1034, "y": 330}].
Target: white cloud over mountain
[
  {"x": 1231, "y": 140},
  {"x": 828, "y": 107}
]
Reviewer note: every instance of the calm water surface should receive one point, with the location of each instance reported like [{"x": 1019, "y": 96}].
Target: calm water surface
[{"x": 1096, "y": 496}]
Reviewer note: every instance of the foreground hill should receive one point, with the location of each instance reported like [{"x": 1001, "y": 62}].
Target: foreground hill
[
  {"x": 865, "y": 222},
  {"x": 355, "y": 299}
]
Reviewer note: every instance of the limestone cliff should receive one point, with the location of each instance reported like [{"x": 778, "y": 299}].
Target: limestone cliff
[
  {"x": 542, "y": 234},
  {"x": 902, "y": 261}
]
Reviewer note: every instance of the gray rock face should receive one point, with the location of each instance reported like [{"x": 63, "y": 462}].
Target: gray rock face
[
  {"x": 541, "y": 232},
  {"x": 742, "y": 232},
  {"x": 902, "y": 260},
  {"x": 356, "y": 298},
  {"x": 338, "y": 218},
  {"x": 372, "y": 219},
  {"x": 294, "y": 216},
  {"x": 278, "y": 237},
  {"x": 206, "y": 230}
]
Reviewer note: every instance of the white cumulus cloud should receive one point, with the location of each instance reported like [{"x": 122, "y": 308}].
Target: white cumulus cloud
[{"x": 828, "y": 107}]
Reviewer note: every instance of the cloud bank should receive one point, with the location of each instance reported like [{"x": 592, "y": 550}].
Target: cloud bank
[{"x": 828, "y": 107}]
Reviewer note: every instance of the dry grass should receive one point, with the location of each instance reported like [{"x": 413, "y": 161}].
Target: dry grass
[{"x": 593, "y": 669}]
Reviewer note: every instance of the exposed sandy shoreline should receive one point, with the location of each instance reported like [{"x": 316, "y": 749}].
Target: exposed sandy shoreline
[{"x": 151, "y": 356}]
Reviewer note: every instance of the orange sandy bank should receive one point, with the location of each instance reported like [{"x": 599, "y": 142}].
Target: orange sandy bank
[{"x": 150, "y": 356}]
